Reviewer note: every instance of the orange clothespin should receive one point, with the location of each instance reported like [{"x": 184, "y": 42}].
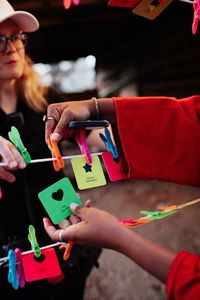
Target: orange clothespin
[
  {"x": 58, "y": 163},
  {"x": 67, "y": 248}
]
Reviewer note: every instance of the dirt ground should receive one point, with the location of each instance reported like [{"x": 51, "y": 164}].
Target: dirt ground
[{"x": 118, "y": 278}]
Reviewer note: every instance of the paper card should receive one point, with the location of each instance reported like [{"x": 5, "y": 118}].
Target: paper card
[
  {"x": 88, "y": 175},
  {"x": 124, "y": 3},
  {"x": 56, "y": 199},
  {"x": 37, "y": 270},
  {"x": 112, "y": 167},
  {"x": 150, "y": 9}
]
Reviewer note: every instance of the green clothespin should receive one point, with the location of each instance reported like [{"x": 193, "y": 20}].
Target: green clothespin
[
  {"x": 32, "y": 239},
  {"x": 158, "y": 214},
  {"x": 14, "y": 136}
]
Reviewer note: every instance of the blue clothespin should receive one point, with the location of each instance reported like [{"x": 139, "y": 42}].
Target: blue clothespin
[
  {"x": 12, "y": 271},
  {"x": 158, "y": 214},
  {"x": 109, "y": 144}
]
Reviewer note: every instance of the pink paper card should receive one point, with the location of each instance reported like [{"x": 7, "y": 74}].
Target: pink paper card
[
  {"x": 112, "y": 167},
  {"x": 46, "y": 268}
]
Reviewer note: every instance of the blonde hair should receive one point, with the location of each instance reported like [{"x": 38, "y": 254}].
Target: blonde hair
[{"x": 31, "y": 89}]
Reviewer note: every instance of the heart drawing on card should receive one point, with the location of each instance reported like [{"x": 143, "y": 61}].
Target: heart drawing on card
[{"x": 58, "y": 195}]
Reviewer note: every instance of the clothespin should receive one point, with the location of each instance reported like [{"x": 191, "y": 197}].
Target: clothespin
[
  {"x": 14, "y": 137},
  {"x": 12, "y": 271},
  {"x": 158, "y": 214},
  {"x": 75, "y": 2},
  {"x": 168, "y": 207},
  {"x": 109, "y": 144},
  {"x": 34, "y": 244},
  {"x": 196, "y": 16},
  {"x": 68, "y": 3},
  {"x": 82, "y": 142},
  {"x": 67, "y": 248},
  {"x": 132, "y": 223},
  {"x": 19, "y": 269},
  {"x": 58, "y": 163}
]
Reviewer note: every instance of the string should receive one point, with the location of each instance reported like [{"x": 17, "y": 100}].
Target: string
[
  {"x": 163, "y": 212},
  {"x": 2, "y": 164},
  {"x": 4, "y": 259}
]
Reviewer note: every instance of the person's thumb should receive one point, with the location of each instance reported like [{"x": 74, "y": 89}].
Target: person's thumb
[{"x": 76, "y": 209}]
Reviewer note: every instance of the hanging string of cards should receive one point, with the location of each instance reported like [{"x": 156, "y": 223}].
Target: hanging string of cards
[{"x": 42, "y": 263}]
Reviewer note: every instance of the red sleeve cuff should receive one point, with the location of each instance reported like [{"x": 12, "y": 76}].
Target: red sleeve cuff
[{"x": 183, "y": 281}]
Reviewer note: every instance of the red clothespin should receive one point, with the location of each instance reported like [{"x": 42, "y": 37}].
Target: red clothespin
[
  {"x": 133, "y": 223},
  {"x": 82, "y": 142},
  {"x": 58, "y": 163},
  {"x": 19, "y": 268},
  {"x": 67, "y": 248},
  {"x": 196, "y": 17}
]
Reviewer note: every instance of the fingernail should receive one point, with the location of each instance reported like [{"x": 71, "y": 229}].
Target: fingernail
[
  {"x": 73, "y": 206},
  {"x": 22, "y": 165},
  {"x": 55, "y": 136},
  {"x": 12, "y": 164}
]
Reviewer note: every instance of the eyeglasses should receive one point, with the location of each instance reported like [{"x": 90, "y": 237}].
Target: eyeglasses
[{"x": 19, "y": 40}]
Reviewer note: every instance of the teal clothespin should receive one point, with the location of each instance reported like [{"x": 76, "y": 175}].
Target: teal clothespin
[
  {"x": 109, "y": 144},
  {"x": 158, "y": 214},
  {"x": 12, "y": 269},
  {"x": 14, "y": 136},
  {"x": 34, "y": 244}
]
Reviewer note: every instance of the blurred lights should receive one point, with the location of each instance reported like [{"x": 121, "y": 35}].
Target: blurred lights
[{"x": 68, "y": 3}]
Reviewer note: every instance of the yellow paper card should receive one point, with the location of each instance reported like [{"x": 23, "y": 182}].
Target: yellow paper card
[{"x": 88, "y": 175}]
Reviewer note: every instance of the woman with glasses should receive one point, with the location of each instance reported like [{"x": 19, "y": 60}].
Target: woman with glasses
[{"x": 23, "y": 102}]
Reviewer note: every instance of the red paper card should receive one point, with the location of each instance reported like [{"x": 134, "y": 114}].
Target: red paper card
[
  {"x": 36, "y": 270},
  {"x": 112, "y": 167}
]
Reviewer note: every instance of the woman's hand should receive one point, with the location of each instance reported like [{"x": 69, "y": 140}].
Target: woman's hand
[
  {"x": 96, "y": 228},
  {"x": 12, "y": 158},
  {"x": 64, "y": 112}
]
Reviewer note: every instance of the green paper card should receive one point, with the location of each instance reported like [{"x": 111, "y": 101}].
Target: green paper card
[
  {"x": 57, "y": 198},
  {"x": 88, "y": 175}
]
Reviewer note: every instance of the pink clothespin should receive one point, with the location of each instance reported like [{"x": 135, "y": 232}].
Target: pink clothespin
[
  {"x": 76, "y": 2},
  {"x": 19, "y": 268},
  {"x": 82, "y": 142},
  {"x": 196, "y": 17}
]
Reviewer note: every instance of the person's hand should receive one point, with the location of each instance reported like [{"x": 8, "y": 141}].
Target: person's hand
[
  {"x": 96, "y": 228},
  {"x": 62, "y": 113},
  {"x": 12, "y": 158}
]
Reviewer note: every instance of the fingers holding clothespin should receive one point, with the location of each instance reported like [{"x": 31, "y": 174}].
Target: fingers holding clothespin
[
  {"x": 107, "y": 140},
  {"x": 58, "y": 162}
]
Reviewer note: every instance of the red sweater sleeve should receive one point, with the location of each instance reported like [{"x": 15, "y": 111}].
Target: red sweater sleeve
[
  {"x": 160, "y": 138},
  {"x": 183, "y": 281}
]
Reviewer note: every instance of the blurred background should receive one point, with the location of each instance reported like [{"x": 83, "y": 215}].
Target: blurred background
[{"x": 93, "y": 49}]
